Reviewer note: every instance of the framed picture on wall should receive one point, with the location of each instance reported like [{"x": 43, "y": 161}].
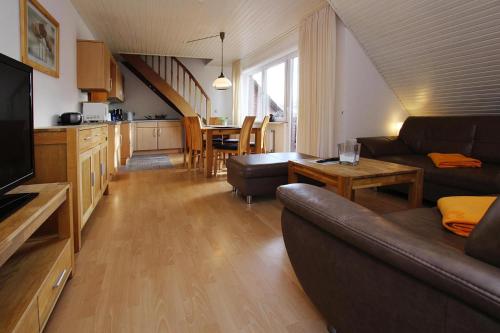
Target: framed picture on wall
[{"x": 39, "y": 38}]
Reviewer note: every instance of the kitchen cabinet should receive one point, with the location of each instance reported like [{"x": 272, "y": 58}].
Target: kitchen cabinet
[
  {"x": 169, "y": 135},
  {"x": 158, "y": 135},
  {"x": 116, "y": 94},
  {"x": 78, "y": 155},
  {"x": 114, "y": 145},
  {"x": 146, "y": 138},
  {"x": 127, "y": 131},
  {"x": 93, "y": 66},
  {"x": 86, "y": 183}
]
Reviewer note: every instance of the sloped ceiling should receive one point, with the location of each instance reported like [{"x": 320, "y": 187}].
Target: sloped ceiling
[
  {"x": 162, "y": 27},
  {"x": 440, "y": 57}
]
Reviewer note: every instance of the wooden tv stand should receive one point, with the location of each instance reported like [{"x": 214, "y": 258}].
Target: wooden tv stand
[{"x": 36, "y": 257}]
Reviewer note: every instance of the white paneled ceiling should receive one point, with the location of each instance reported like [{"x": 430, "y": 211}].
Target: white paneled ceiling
[
  {"x": 162, "y": 27},
  {"x": 439, "y": 57}
]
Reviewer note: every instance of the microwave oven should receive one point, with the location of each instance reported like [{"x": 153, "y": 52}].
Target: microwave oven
[{"x": 95, "y": 112}]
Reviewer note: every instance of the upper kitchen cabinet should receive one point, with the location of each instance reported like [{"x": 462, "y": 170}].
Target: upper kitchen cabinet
[
  {"x": 116, "y": 93},
  {"x": 94, "y": 66}
]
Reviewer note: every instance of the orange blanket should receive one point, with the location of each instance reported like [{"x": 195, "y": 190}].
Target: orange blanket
[
  {"x": 461, "y": 214},
  {"x": 454, "y": 161}
]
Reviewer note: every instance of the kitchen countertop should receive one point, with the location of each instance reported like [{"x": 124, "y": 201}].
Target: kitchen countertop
[
  {"x": 61, "y": 127},
  {"x": 94, "y": 124},
  {"x": 144, "y": 120}
]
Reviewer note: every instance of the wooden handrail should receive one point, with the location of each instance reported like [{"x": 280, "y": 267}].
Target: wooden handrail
[
  {"x": 192, "y": 77},
  {"x": 200, "y": 102}
]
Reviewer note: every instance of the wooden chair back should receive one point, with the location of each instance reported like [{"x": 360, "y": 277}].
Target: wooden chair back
[
  {"x": 187, "y": 132},
  {"x": 215, "y": 121},
  {"x": 263, "y": 129},
  {"x": 246, "y": 130},
  {"x": 196, "y": 133}
]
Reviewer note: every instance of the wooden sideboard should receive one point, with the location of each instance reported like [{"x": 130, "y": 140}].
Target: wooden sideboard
[
  {"x": 78, "y": 155},
  {"x": 36, "y": 257}
]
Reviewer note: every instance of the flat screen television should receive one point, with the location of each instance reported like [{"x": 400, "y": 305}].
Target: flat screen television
[{"x": 16, "y": 131}]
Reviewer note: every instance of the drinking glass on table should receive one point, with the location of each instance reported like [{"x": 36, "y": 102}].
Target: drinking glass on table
[{"x": 349, "y": 152}]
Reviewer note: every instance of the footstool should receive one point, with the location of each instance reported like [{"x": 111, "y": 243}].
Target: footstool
[{"x": 259, "y": 174}]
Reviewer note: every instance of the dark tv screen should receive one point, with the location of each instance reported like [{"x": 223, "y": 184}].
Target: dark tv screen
[{"x": 16, "y": 123}]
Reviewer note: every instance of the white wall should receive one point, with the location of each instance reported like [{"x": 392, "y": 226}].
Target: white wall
[
  {"x": 365, "y": 105},
  {"x": 141, "y": 100},
  {"x": 51, "y": 96},
  {"x": 278, "y": 48},
  {"x": 222, "y": 100}
]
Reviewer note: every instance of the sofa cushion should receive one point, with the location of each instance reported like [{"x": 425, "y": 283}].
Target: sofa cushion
[
  {"x": 426, "y": 223},
  {"x": 487, "y": 141},
  {"x": 262, "y": 165},
  {"x": 439, "y": 134},
  {"x": 484, "y": 180},
  {"x": 382, "y": 146},
  {"x": 484, "y": 241}
]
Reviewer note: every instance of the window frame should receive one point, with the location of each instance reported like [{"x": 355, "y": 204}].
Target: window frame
[{"x": 288, "y": 94}]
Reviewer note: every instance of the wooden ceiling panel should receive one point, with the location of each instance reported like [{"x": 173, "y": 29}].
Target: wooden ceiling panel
[
  {"x": 162, "y": 27},
  {"x": 439, "y": 57}
]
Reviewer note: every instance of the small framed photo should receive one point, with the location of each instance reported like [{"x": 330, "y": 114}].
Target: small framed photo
[{"x": 39, "y": 38}]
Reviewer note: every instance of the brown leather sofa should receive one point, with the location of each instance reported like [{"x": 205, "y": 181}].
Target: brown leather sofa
[
  {"x": 259, "y": 174},
  {"x": 476, "y": 136},
  {"x": 400, "y": 272}
]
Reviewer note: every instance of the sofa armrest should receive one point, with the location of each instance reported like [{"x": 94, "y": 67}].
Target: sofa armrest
[
  {"x": 383, "y": 146},
  {"x": 448, "y": 270}
]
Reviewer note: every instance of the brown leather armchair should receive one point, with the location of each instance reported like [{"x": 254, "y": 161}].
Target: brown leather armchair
[{"x": 400, "y": 272}]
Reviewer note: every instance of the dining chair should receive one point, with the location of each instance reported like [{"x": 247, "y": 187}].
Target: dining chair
[
  {"x": 240, "y": 148},
  {"x": 197, "y": 147},
  {"x": 262, "y": 140},
  {"x": 187, "y": 139}
]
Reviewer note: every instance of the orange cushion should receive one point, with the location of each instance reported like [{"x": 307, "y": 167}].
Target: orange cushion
[
  {"x": 461, "y": 214},
  {"x": 454, "y": 161}
]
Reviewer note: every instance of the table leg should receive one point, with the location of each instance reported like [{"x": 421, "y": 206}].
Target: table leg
[
  {"x": 344, "y": 188},
  {"x": 416, "y": 189},
  {"x": 292, "y": 176},
  {"x": 210, "y": 155}
]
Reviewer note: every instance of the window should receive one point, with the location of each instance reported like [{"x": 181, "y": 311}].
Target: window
[{"x": 272, "y": 89}]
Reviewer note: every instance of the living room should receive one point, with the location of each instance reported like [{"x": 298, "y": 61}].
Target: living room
[{"x": 222, "y": 166}]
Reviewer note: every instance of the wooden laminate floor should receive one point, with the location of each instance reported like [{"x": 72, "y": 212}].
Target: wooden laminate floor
[{"x": 170, "y": 251}]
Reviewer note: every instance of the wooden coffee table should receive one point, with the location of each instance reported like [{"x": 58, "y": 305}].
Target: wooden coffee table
[{"x": 368, "y": 173}]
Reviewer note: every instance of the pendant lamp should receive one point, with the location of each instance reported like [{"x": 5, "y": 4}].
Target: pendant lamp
[{"x": 222, "y": 82}]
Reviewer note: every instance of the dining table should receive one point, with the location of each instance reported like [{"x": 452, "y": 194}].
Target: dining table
[{"x": 211, "y": 131}]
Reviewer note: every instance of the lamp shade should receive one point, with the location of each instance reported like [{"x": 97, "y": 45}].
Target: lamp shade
[{"x": 222, "y": 83}]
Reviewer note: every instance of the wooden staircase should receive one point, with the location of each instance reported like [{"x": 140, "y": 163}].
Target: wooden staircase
[{"x": 172, "y": 81}]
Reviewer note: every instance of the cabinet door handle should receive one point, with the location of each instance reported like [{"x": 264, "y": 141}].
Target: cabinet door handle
[
  {"x": 87, "y": 138},
  {"x": 154, "y": 132},
  {"x": 92, "y": 179},
  {"x": 102, "y": 168},
  {"x": 159, "y": 131},
  {"x": 59, "y": 280}
]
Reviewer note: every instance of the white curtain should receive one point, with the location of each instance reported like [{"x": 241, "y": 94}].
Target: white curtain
[
  {"x": 236, "y": 76},
  {"x": 316, "y": 114}
]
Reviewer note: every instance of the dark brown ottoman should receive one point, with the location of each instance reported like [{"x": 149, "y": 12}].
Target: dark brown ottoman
[{"x": 259, "y": 174}]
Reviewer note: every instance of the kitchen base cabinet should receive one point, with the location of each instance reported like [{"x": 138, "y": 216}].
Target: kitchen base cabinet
[
  {"x": 114, "y": 146},
  {"x": 158, "y": 135},
  {"x": 127, "y": 131},
  {"x": 78, "y": 155}
]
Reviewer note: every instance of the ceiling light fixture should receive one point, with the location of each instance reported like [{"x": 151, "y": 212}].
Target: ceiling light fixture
[{"x": 222, "y": 82}]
